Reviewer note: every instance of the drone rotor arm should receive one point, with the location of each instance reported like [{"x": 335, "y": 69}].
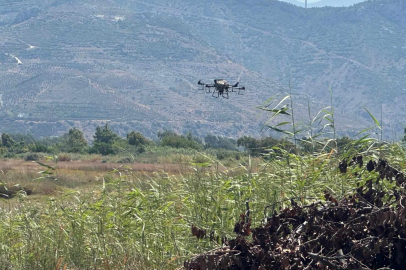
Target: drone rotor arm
[{"x": 209, "y": 87}]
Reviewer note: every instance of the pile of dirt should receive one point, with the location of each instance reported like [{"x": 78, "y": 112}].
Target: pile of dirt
[{"x": 364, "y": 231}]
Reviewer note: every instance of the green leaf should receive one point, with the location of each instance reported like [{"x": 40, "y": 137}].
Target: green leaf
[
  {"x": 282, "y": 124},
  {"x": 362, "y": 131},
  {"x": 45, "y": 165},
  {"x": 267, "y": 102},
  {"x": 326, "y": 125},
  {"x": 277, "y": 111},
  {"x": 373, "y": 117},
  {"x": 285, "y": 98},
  {"x": 317, "y": 117},
  {"x": 328, "y": 118},
  {"x": 280, "y": 130},
  {"x": 363, "y": 139}
]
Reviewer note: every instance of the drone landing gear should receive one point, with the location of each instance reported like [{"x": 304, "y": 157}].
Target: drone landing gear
[{"x": 223, "y": 94}]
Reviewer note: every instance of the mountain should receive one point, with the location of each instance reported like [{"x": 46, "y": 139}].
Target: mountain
[
  {"x": 135, "y": 64},
  {"x": 335, "y": 3},
  {"x": 325, "y": 3}
]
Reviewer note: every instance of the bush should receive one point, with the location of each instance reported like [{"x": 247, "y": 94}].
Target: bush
[
  {"x": 220, "y": 142},
  {"x": 137, "y": 139},
  {"x": 179, "y": 141},
  {"x": 9, "y": 155},
  {"x": 32, "y": 157},
  {"x": 75, "y": 141},
  {"x": 103, "y": 149},
  {"x": 64, "y": 157},
  {"x": 141, "y": 149},
  {"x": 125, "y": 160},
  {"x": 257, "y": 147},
  {"x": 38, "y": 148}
]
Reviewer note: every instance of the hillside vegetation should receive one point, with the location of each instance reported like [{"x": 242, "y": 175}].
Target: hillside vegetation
[
  {"x": 324, "y": 3},
  {"x": 136, "y": 63}
]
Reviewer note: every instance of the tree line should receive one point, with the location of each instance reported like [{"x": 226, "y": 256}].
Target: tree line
[{"x": 107, "y": 142}]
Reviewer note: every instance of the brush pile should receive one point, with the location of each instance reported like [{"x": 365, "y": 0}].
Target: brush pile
[
  {"x": 12, "y": 191},
  {"x": 364, "y": 231}
]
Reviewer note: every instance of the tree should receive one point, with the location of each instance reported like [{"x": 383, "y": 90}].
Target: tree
[
  {"x": 219, "y": 142},
  {"x": 250, "y": 144},
  {"x": 104, "y": 139},
  {"x": 171, "y": 139},
  {"x": 404, "y": 137},
  {"x": 76, "y": 142},
  {"x": 189, "y": 136},
  {"x": 137, "y": 139},
  {"x": 105, "y": 135},
  {"x": 7, "y": 141},
  {"x": 162, "y": 134},
  {"x": 256, "y": 147}
]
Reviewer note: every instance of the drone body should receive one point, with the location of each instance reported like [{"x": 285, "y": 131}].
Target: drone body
[{"x": 221, "y": 88}]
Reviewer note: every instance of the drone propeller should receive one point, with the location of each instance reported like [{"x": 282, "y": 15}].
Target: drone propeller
[{"x": 221, "y": 88}]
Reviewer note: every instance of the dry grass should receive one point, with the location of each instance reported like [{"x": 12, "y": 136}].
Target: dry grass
[
  {"x": 26, "y": 166},
  {"x": 86, "y": 176},
  {"x": 71, "y": 175},
  {"x": 107, "y": 167}
]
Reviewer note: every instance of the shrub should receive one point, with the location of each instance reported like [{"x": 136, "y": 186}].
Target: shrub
[
  {"x": 125, "y": 160},
  {"x": 76, "y": 142},
  {"x": 137, "y": 139},
  {"x": 64, "y": 157},
  {"x": 38, "y": 148},
  {"x": 103, "y": 149},
  {"x": 7, "y": 140},
  {"x": 257, "y": 147},
  {"x": 212, "y": 141},
  {"x": 104, "y": 139},
  {"x": 171, "y": 139},
  {"x": 32, "y": 157},
  {"x": 141, "y": 149}
]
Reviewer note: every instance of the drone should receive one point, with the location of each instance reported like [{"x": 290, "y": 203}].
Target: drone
[{"x": 221, "y": 88}]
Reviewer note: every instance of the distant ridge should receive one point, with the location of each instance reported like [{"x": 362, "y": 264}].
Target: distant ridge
[
  {"x": 135, "y": 64},
  {"x": 324, "y": 3}
]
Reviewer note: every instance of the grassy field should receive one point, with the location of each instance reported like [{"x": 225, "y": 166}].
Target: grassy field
[
  {"x": 93, "y": 212},
  {"x": 129, "y": 216},
  {"x": 94, "y": 215}
]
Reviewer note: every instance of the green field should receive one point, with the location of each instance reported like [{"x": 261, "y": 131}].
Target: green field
[
  {"x": 81, "y": 211},
  {"x": 129, "y": 219}
]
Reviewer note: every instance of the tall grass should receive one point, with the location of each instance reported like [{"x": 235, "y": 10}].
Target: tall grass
[{"x": 133, "y": 222}]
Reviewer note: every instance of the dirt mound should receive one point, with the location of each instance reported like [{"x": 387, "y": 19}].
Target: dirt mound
[{"x": 364, "y": 231}]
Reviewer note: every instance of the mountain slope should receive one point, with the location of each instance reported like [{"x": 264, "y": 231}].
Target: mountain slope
[
  {"x": 325, "y": 3},
  {"x": 136, "y": 63},
  {"x": 335, "y": 3}
]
